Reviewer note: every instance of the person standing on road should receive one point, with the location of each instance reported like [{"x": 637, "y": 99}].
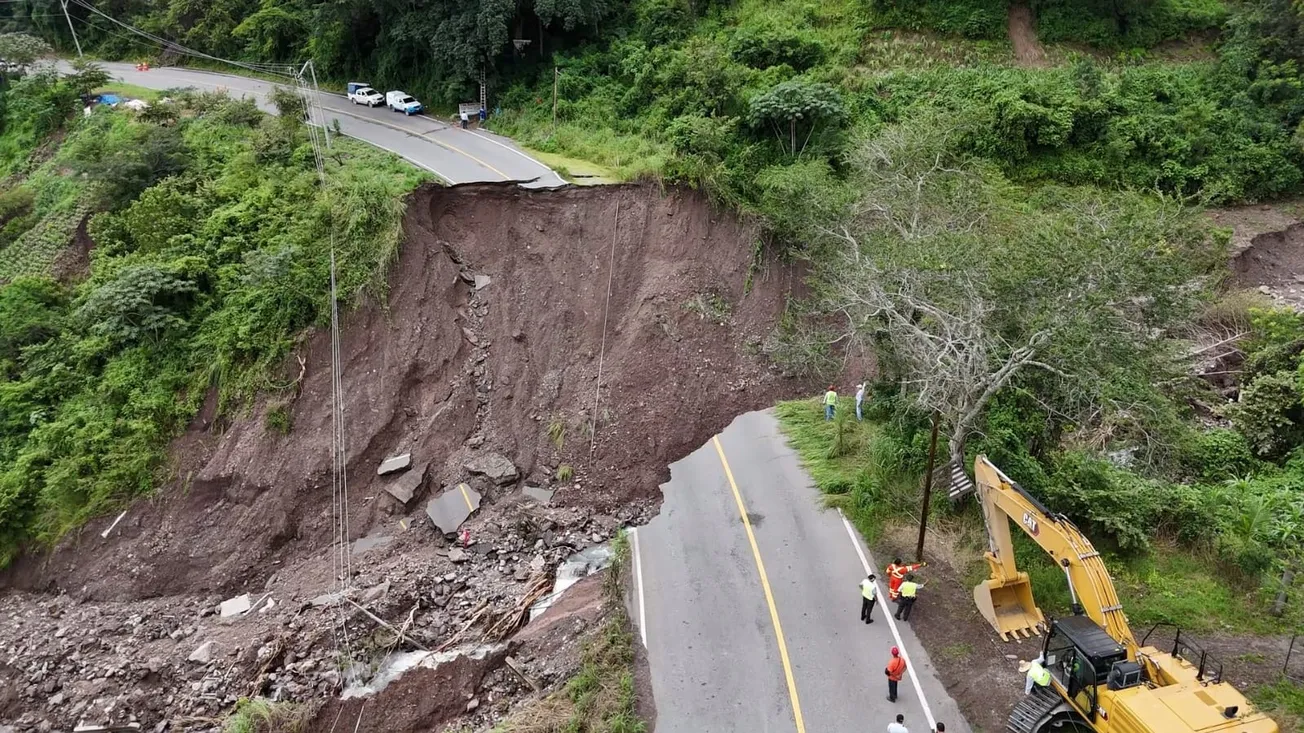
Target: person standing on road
[
  {"x": 896, "y": 575},
  {"x": 896, "y": 668},
  {"x": 830, "y": 402},
  {"x": 899, "y": 726},
  {"x": 483, "y": 115},
  {"x": 868, "y": 594},
  {"x": 909, "y": 590},
  {"x": 860, "y": 397},
  {"x": 941, "y": 728},
  {"x": 465, "y": 119}
]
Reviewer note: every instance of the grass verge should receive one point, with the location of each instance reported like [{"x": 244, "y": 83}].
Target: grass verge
[
  {"x": 130, "y": 91},
  {"x": 1284, "y": 701},
  {"x": 600, "y": 698}
]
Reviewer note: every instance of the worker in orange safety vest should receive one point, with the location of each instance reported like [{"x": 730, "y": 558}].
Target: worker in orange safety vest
[{"x": 896, "y": 575}]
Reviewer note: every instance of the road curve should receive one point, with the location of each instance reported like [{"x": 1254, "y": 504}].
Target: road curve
[
  {"x": 709, "y": 620},
  {"x": 454, "y": 154}
]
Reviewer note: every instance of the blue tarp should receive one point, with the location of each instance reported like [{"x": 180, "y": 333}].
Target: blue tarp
[{"x": 109, "y": 99}]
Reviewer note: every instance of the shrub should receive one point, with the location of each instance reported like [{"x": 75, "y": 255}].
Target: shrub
[
  {"x": 1269, "y": 414},
  {"x": 761, "y": 48},
  {"x": 1219, "y": 454},
  {"x": 141, "y": 301}
]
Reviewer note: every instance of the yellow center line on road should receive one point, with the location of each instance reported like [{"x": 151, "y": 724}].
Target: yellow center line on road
[
  {"x": 466, "y": 498},
  {"x": 765, "y": 585},
  {"x": 423, "y": 136}
]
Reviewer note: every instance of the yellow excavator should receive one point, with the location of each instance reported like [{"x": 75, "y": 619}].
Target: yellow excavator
[{"x": 1102, "y": 679}]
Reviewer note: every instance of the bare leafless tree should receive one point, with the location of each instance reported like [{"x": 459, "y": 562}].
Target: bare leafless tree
[{"x": 927, "y": 263}]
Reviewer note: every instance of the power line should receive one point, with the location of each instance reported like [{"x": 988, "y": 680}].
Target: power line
[{"x": 274, "y": 69}]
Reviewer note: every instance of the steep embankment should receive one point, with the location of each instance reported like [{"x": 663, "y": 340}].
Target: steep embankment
[{"x": 445, "y": 371}]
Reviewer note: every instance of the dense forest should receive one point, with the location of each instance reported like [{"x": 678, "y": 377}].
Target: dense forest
[{"x": 1044, "y": 211}]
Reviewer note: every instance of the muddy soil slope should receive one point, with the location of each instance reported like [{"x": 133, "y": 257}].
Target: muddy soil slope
[{"x": 444, "y": 370}]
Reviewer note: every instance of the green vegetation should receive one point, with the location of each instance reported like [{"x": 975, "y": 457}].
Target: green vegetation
[
  {"x": 212, "y": 235},
  {"x": 259, "y": 715},
  {"x": 600, "y": 697},
  {"x": 1284, "y": 699}
]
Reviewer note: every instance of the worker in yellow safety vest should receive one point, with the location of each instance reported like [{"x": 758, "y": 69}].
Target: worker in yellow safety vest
[
  {"x": 830, "y": 402},
  {"x": 906, "y": 600},
  {"x": 1036, "y": 675},
  {"x": 868, "y": 595}
]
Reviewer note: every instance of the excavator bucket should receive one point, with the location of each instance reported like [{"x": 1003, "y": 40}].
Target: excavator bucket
[{"x": 1008, "y": 607}]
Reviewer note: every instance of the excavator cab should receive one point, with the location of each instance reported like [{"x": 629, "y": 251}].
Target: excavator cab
[{"x": 1008, "y": 606}]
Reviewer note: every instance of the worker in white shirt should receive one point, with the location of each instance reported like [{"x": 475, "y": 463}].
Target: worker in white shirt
[
  {"x": 899, "y": 726},
  {"x": 868, "y": 595}
]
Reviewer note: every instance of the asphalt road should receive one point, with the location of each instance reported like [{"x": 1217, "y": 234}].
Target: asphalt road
[
  {"x": 710, "y": 614},
  {"x": 454, "y": 154}
]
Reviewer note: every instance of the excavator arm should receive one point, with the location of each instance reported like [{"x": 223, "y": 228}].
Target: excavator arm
[{"x": 1005, "y": 599}]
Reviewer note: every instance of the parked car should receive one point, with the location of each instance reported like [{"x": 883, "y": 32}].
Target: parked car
[
  {"x": 361, "y": 93},
  {"x": 402, "y": 102}
]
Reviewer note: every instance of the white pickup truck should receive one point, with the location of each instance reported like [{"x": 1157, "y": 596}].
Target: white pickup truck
[
  {"x": 361, "y": 93},
  {"x": 402, "y": 102}
]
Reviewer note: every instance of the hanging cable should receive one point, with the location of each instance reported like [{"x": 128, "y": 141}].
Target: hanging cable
[
  {"x": 606, "y": 311},
  {"x": 273, "y": 69}
]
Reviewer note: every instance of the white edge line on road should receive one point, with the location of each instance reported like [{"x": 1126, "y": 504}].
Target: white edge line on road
[
  {"x": 638, "y": 582},
  {"x": 891, "y": 622},
  {"x": 509, "y": 148}
]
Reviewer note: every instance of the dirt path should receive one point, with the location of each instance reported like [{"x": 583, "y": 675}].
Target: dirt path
[{"x": 1027, "y": 49}]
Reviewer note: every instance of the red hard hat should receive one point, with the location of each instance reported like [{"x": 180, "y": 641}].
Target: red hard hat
[{"x": 896, "y": 652}]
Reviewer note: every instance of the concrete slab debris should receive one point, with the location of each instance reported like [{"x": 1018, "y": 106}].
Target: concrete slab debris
[
  {"x": 394, "y": 463},
  {"x": 543, "y": 496},
  {"x": 494, "y": 466},
  {"x": 397, "y": 663},
  {"x": 448, "y": 510},
  {"x": 363, "y": 544},
  {"x": 204, "y": 654},
  {"x": 236, "y": 606},
  {"x": 482, "y": 282},
  {"x": 576, "y": 567},
  {"x": 405, "y": 486}
]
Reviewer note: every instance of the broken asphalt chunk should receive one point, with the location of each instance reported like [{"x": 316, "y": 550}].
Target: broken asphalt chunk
[
  {"x": 448, "y": 510},
  {"x": 362, "y": 544},
  {"x": 394, "y": 463},
  {"x": 405, "y": 487},
  {"x": 494, "y": 466},
  {"x": 542, "y": 496},
  {"x": 482, "y": 281}
]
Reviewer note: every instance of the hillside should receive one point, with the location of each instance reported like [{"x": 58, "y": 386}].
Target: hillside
[{"x": 1064, "y": 228}]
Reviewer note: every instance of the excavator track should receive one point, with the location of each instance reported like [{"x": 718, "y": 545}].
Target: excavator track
[{"x": 1032, "y": 710}]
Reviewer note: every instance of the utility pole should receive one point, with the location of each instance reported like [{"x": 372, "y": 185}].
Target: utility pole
[
  {"x": 68, "y": 17},
  {"x": 556, "y": 74},
  {"x": 928, "y": 492}
]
